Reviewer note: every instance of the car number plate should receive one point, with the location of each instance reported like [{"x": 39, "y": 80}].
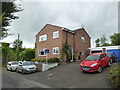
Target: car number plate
[{"x": 86, "y": 69}]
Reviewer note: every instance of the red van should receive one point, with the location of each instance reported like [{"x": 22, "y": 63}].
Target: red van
[{"x": 95, "y": 62}]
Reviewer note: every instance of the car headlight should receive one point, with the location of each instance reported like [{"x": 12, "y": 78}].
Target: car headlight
[{"x": 94, "y": 64}]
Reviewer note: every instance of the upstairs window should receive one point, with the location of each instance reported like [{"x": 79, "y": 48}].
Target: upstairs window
[
  {"x": 41, "y": 52},
  {"x": 56, "y": 34},
  {"x": 42, "y": 38},
  {"x": 55, "y": 50},
  {"x": 83, "y": 39}
]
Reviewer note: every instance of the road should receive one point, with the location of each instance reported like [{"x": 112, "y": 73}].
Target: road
[{"x": 63, "y": 76}]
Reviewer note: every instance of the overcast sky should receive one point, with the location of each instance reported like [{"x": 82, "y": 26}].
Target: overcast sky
[{"x": 98, "y": 18}]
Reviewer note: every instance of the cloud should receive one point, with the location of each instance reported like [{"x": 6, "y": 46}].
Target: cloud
[{"x": 98, "y": 18}]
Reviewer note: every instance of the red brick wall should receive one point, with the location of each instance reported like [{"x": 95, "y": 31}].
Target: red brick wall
[
  {"x": 81, "y": 46},
  {"x": 50, "y": 43}
]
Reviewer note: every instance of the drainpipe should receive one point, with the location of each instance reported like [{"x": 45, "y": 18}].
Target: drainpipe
[{"x": 66, "y": 36}]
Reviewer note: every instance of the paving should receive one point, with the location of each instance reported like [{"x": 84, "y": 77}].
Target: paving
[{"x": 63, "y": 76}]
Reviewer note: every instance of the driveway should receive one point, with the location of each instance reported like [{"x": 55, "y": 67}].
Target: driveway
[{"x": 63, "y": 76}]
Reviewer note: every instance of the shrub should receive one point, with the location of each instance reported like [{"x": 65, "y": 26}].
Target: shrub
[
  {"x": 27, "y": 54},
  {"x": 114, "y": 76},
  {"x": 50, "y": 60},
  {"x": 39, "y": 59},
  {"x": 53, "y": 60}
]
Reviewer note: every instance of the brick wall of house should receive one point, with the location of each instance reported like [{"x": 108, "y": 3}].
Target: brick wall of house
[
  {"x": 50, "y": 42},
  {"x": 81, "y": 48},
  {"x": 67, "y": 37},
  {"x": 73, "y": 40}
]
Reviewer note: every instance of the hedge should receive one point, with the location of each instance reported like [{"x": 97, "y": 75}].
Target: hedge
[
  {"x": 114, "y": 77},
  {"x": 49, "y": 60}
]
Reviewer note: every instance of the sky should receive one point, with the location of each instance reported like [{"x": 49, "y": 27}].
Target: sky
[{"x": 98, "y": 18}]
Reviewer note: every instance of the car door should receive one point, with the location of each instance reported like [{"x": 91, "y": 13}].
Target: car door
[
  {"x": 106, "y": 59},
  {"x": 103, "y": 61}
]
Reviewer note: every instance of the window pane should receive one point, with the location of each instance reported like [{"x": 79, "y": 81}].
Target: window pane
[
  {"x": 56, "y": 34},
  {"x": 43, "y": 38},
  {"x": 41, "y": 52}
]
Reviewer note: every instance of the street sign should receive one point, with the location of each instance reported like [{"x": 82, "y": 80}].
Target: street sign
[{"x": 47, "y": 51}]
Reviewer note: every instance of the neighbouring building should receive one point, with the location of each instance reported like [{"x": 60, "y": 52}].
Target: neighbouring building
[{"x": 54, "y": 37}]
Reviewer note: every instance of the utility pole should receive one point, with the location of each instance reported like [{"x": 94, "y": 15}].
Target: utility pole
[{"x": 18, "y": 48}]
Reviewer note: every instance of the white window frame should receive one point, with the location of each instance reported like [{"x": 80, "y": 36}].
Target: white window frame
[
  {"x": 40, "y": 54},
  {"x": 45, "y": 36},
  {"x": 56, "y": 36},
  {"x": 55, "y": 49},
  {"x": 82, "y": 38}
]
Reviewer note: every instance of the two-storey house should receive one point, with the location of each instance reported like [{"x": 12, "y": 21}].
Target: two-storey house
[{"x": 53, "y": 37}]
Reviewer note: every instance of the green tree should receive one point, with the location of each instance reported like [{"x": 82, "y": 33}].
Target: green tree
[
  {"x": 8, "y": 15},
  {"x": 17, "y": 44},
  {"x": 7, "y": 53},
  {"x": 103, "y": 40},
  {"x": 115, "y": 39},
  {"x": 27, "y": 54},
  {"x": 97, "y": 41}
]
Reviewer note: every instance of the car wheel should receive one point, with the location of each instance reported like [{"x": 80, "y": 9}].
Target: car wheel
[
  {"x": 99, "y": 69},
  {"x": 111, "y": 61},
  {"x": 17, "y": 70},
  {"x": 11, "y": 69},
  {"x": 23, "y": 72}
]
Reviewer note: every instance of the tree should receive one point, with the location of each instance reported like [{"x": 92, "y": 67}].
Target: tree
[
  {"x": 115, "y": 39},
  {"x": 8, "y": 14},
  {"x": 97, "y": 41},
  {"x": 17, "y": 44},
  {"x": 103, "y": 40},
  {"x": 7, "y": 53},
  {"x": 27, "y": 54}
]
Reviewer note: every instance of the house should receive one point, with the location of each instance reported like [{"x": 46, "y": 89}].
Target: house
[
  {"x": 114, "y": 49},
  {"x": 54, "y": 37}
]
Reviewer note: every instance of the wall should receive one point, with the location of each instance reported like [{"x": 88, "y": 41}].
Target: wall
[
  {"x": 82, "y": 47},
  {"x": 50, "y": 42}
]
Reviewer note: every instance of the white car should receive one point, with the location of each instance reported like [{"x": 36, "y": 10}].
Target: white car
[
  {"x": 26, "y": 67},
  {"x": 12, "y": 65}
]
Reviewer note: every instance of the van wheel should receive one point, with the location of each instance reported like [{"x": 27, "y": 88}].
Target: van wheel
[{"x": 99, "y": 69}]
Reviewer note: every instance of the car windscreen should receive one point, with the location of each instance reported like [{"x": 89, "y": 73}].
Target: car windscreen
[
  {"x": 14, "y": 63},
  {"x": 93, "y": 57},
  {"x": 27, "y": 63}
]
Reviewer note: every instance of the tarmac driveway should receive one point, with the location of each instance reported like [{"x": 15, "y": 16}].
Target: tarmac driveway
[{"x": 63, "y": 76}]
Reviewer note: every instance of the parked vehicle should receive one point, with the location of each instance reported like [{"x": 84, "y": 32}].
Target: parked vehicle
[
  {"x": 112, "y": 57},
  {"x": 26, "y": 67},
  {"x": 95, "y": 62},
  {"x": 12, "y": 65}
]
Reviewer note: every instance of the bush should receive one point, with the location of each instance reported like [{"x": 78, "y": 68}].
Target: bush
[
  {"x": 7, "y": 53},
  {"x": 27, "y": 54},
  {"x": 39, "y": 59},
  {"x": 53, "y": 60},
  {"x": 50, "y": 60},
  {"x": 114, "y": 76}
]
